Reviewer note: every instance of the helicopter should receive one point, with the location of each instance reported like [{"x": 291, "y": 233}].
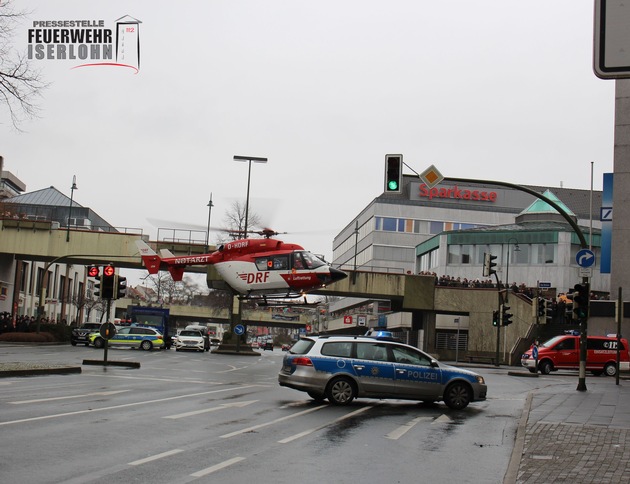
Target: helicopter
[{"x": 254, "y": 268}]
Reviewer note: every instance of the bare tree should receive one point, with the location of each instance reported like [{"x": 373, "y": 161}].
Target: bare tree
[
  {"x": 20, "y": 84},
  {"x": 235, "y": 220}
]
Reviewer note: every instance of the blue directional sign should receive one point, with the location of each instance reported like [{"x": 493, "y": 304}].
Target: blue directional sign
[
  {"x": 585, "y": 258},
  {"x": 239, "y": 329}
]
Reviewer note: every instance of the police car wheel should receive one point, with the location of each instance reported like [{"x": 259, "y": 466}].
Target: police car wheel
[
  {"x": 99, "y": 343},
  {"x": 146, "y": 345},
  {"x": 341, "y": 391},
  {"x": 610, "y": 369},
  {"x": 457, "y": 396}
]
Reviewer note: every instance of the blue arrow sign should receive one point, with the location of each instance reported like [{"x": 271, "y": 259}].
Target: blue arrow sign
[
  {"x": 585, "y": 258},
  {"x": 239, "y": 329}
]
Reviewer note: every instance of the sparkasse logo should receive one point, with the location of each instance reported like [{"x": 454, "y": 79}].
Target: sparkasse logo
[{"x": 89, "y": 42}]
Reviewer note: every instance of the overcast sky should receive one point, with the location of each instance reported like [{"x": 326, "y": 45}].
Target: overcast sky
[{"x": 491, "y": 89}]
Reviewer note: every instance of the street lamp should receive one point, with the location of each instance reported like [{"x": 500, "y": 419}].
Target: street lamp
[
  {"x": 210, "y": 205},
  {"x": 249, "y": 172},
  {"x": 507, "y": 265},
  {"x": 72, "y": 189}
]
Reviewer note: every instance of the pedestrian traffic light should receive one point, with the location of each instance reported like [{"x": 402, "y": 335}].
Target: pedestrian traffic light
[
  {"x": 495, "y": 318},
  {"x": 488, "y": 265},
  {"x": 108, "y": 283},
  {"x": 121, "y": 287},
  {"x": 93, "y": 271},
  {"x": 581, "y": 296},
  {"x": 393, "y": 173},
  {"x": 506, "y": 317}
]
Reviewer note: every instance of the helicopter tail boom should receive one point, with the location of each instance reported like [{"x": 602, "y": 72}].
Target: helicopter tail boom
[{"x": 150, "y": 259}]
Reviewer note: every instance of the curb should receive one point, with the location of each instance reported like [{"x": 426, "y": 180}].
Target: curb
[
  {"x": 519, "y": 443},
  {"x": 128, "y": 364},
  {"x": 526, "y": 374},
  {"x": 41, "y": 371}
]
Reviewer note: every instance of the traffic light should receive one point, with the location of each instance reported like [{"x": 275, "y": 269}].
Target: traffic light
[
  {"x": 393, "y": 173},
  {"x": 488, "y": 265},
  {"x": 495, "y": 318},
  {"x": 98, "y": 286},
  {"x": 541, "y": 307},
  {"x": 121, "y": 287},
  {"x": 581, "y": 296},
  {"x": 93, "y": 271},
  {"x": 506, "y": 318},
  {"x": 108, "y": 283}
]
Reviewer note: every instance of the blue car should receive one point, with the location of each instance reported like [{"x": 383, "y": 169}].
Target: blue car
[{"x": 342, "y": 368}]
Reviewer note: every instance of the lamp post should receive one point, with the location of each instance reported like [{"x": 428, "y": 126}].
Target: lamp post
[
  {"x": 72, "y": 189},
  {"x": 507, "y": 265},
  {"x": 210, "y": 205},
  {"x": 249, "y": 172}
]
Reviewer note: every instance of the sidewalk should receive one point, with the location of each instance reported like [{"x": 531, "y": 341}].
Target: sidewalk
[{"x": 572, "y": 436}]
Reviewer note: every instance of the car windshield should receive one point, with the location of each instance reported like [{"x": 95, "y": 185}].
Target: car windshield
[
  {"x": 190, "y": 333},
  {"x": 549, "y": 343}
]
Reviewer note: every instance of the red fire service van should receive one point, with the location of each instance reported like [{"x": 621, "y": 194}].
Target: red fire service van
[{"x": 563, "y": 353}]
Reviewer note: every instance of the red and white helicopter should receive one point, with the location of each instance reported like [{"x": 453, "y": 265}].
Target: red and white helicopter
[{"x": 255, "y": 268}]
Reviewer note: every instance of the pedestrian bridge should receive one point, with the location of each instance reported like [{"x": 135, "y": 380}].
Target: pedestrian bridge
[{"x": 417, "y": 294}]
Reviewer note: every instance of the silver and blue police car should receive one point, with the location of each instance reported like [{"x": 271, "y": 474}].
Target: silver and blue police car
[{"x": 342, "y": 368}]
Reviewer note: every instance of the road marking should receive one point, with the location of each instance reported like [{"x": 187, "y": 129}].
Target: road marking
[
  {"x": 315, "y": 429},
  {"x": 442, "y": 419},
  {"x": 403, "y": 429},
  {"x": 281, "y": 419},
  {"x": 155, "y": 457},
  {"x": 212, "y": 409},
  {"x": 51, "y": 399},
  {"x": 113, "y": 407},
  {"x": 217, "y": 467}
]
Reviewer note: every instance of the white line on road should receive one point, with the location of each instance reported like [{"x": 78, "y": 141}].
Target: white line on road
[
  {"x": 51, "y": 399},
  {"x": 212, "y": 409},
  {"x": 218, "y": 467},
  {"x": 310, "y": 431},
  {"x": 256, "y": 427},
  {"x": 403, "y": 429},
  {"x": 90, "y": 410},
  {"x": 155, "y": 457}
]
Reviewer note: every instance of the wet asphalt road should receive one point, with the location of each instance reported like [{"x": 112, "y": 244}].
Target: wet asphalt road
[{"x": 200, "y": 417}]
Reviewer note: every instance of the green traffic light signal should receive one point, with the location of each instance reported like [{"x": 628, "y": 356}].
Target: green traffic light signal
[
  {"x": 495, "y": 318},
  {"x": 393, "y": 173}
]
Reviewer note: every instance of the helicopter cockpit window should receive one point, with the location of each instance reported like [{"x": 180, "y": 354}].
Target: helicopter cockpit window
[
  {"x": 262, "y": 263},
  {"x": 278, "y": 263},
  {"x": 311, "y": 260},
  {"x": 298, "y": 263}
]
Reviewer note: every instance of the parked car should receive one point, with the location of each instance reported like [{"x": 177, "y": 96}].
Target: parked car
[
  {"x": 342, "y": 368},
  {"x": 81, "y": 335},
  {"x": 190, "y": 339},
  {"x": 266, "y": 345},
  {"x": 563, "y": 353},
  {"x": 286, "y": 346},
  {"x": 145, "y": 338},
  {"x": 204, "y": 331}
]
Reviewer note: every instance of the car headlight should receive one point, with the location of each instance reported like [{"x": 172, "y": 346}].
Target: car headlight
[
  {"x": 525, "y": 356},
  {"x": 480, "y": 380}
]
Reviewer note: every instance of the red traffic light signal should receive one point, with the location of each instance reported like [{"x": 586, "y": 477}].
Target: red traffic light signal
[
  {"x": 93, "y": 271},
  {"x": 108, "y": 271}
]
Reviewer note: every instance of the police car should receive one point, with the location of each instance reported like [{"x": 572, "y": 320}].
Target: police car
[
  {"x": 145, "y": 338},
  {"x": 342, "y": 368}
]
